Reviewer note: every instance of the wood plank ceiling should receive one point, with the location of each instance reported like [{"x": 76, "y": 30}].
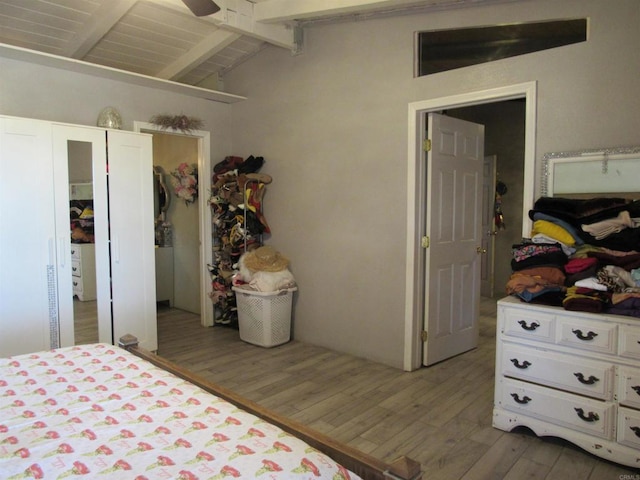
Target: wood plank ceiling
[{"x": 163, "y": 39}]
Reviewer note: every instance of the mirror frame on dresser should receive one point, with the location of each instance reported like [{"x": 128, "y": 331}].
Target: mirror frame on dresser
[{"x": 610, "y": 160}]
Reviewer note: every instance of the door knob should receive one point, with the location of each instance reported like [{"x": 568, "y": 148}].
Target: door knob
[{"x": 481, "y": 250}]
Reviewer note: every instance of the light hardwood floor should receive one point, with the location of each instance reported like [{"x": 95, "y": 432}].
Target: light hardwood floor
[
  {"x": 440, "y": 416},
  {"x": 85, "y": 316}
]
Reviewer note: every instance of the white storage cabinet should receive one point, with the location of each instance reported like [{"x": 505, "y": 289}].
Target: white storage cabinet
[
  {"x": 572, "y": 375},
  {"x": 36, "y": 288}
]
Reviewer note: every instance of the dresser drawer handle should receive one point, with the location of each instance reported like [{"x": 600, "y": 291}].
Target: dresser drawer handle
[
  {"x": 522, "y": 401},
  {"x": 587, "y": 381},
  {"x": 592, "y": 417},
  {"x": 581, "y": 336},
  {"x": 636, "y": 430},
  {"x": 524, "y": 365},
  {"x": 529, "y": 328},
  {"x": 636, "y": 389}
]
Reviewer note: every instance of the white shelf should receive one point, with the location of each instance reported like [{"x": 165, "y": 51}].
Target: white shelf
[{"x": 78, "y": 66}]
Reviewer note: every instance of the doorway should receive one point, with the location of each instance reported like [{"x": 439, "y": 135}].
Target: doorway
[
  {"x": 191, "y": 251},
  {"x": 177, "y": 251},
  {"x": 417, "y": 195}
]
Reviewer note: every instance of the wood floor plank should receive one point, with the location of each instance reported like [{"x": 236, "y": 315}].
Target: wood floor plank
[
  {"x": 526, "y": 468},
  {"x": 571, "y": 464},
  {"x": 499, "y": 459},
  {"x": 544, "y": 453},
  {"x": 452, "y": 461},
  {"x": 486, "y": 434}
]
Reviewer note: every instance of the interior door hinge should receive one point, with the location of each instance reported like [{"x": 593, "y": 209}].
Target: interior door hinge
[
  {"x": 424, "y": 335},
  {"x": 426, "y": 145},
  {"x": 424, "y": 241}
]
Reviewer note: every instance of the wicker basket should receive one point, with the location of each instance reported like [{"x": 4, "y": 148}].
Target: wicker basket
[{"x": 264, "y": 318}]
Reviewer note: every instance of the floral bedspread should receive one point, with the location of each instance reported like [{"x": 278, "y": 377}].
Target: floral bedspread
[{"x": 97, "y": 411}]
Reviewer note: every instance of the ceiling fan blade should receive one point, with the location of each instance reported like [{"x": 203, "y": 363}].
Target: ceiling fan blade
[{"x": 201, "y": 8}]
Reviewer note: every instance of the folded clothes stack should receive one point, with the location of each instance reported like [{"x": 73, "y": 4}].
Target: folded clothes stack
[{"x": 582, "y": 254}]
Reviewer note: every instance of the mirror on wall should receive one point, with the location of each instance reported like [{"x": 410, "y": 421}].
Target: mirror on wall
[{"x": 83, "y": 258}]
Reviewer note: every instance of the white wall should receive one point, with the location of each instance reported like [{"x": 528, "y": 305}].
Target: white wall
[
  {"x": 332, "y": 126},
  {"x": 34, "y": 91}
]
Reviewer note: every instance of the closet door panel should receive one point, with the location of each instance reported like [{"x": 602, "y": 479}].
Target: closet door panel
[
  {"x": 28, "y": 311},
  {"x": 96, "y": 137},
  {"x": 132, "y": 236}
]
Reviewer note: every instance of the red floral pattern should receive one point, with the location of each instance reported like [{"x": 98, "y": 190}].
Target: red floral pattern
[{"x": 96, "y": 411}]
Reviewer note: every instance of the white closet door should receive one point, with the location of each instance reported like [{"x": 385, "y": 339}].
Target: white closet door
[
  {"x": 28, "y": 311},
  {"x": 62, "y": 135},
  {"x": 132, "y": 236}
]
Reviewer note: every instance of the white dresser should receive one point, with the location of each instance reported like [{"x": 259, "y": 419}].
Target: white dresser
[
  {"x": 83, "y": 270},
  {"x": 572, "y": 375}
]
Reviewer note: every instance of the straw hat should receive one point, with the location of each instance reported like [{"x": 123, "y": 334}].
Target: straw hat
[{"x": 265, "y": 259}]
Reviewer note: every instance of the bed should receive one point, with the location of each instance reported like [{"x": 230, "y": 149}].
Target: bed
[{"x": 100, "y": 411}]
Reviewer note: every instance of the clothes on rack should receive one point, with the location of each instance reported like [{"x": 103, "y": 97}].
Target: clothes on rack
[{"x": 238, "y": 225}]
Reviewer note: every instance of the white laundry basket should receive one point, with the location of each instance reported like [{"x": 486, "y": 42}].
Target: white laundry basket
[{"x": 264, "y": 318}]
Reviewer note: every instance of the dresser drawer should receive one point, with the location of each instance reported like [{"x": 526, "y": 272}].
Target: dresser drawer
[
  {"x": 76, "y": 268},
  {"x": 572, "y": 411},
  {"x": 628, "y": 389},
  {"x": 77, "y": 286},
  {"x": 566, "y": 372},
  {"x": 529, "y": 324},
  {"x": 629, "y": 341},
  {"x": 76, "y": 252},
  {"x": 588, "y": 334},
  {"x": 629, "y": 427}
]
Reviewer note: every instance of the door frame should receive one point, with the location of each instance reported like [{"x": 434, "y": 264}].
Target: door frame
[
  {"x": 417, "y": 195},
  {"x": 205, "y": 229}
]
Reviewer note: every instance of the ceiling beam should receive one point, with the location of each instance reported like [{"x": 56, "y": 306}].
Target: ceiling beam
[
  {"x": 275, "y": 11},
  {"x": 238, "y": 16},
  {"x": 288, "y": 11},
  {"x": 204, "y": 50},
  {"x": 102, "y": 20}
]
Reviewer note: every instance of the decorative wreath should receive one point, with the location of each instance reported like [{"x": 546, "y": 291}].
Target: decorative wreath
[
  {"x": 185, "y": 182},
  {"x": 177, "y": 122}
]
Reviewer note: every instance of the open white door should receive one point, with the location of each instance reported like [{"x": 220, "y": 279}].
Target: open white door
[{"x": 453, "y": 237}]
